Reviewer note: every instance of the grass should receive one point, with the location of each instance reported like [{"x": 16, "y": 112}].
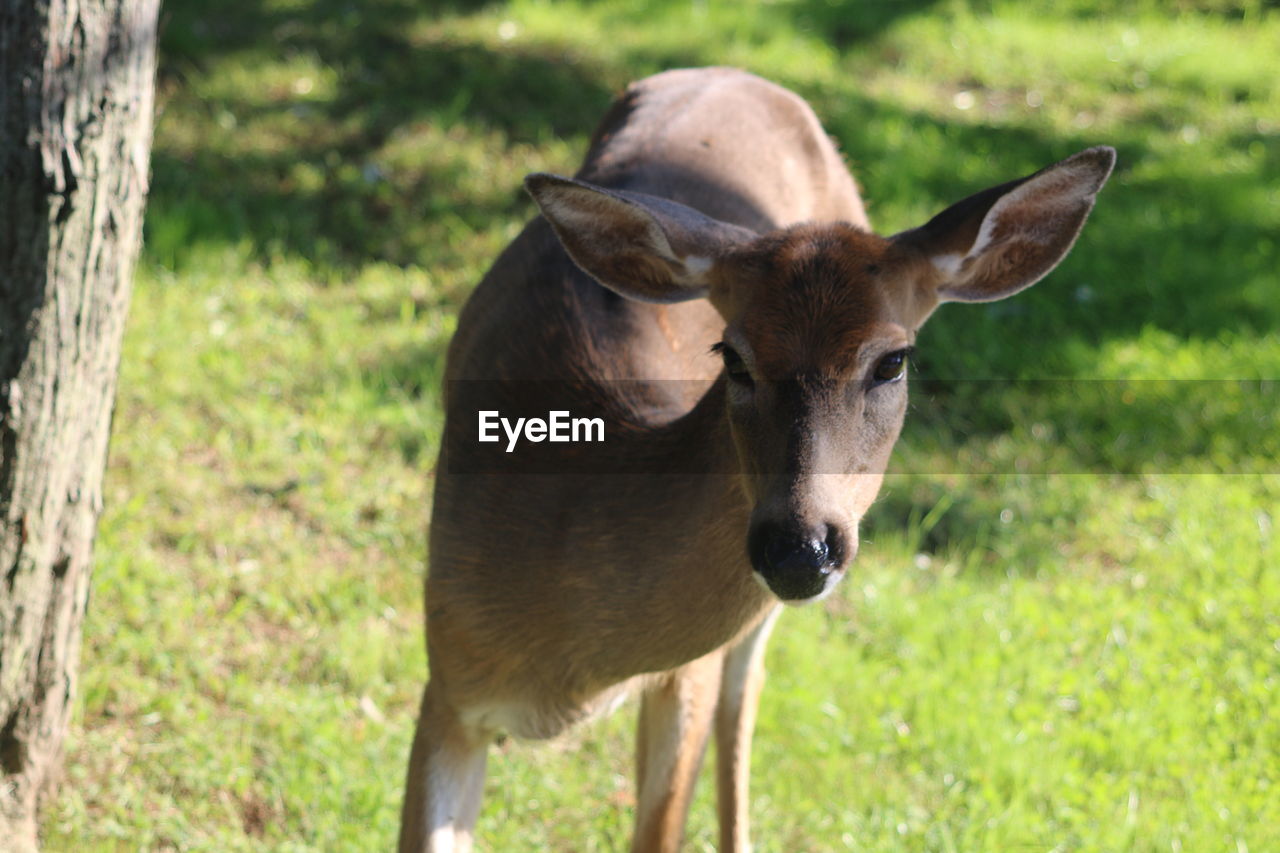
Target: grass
[{"x": 1063, "y": 631}]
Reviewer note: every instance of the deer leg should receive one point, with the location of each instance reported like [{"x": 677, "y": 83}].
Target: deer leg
[
  {"x": 675, "y": 719},
  {"x": 740, "y": 686},
  {"x": 445, "y": 782}
]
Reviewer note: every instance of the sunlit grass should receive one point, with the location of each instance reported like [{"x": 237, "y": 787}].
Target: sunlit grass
[{"x": 1079, "y": 661}]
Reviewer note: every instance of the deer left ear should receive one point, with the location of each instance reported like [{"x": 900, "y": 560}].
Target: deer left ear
[
  {"x": 640, "y": 246},
  {"x": 1004, "y": 239}
]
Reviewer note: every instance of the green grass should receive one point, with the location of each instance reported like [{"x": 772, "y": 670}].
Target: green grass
[{"x": 1087, "y": 660}]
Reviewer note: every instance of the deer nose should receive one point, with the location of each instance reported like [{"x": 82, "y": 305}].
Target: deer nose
[
  {"x": 788, "y": 553},
  {"x": 796, "y": 564}
]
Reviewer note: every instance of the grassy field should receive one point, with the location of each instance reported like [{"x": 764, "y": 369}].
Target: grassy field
[{"x": 1064, "y": 631}]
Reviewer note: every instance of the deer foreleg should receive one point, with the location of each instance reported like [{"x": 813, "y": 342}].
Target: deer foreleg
[
  {"x": 675, "y": 719},
  {"x": 735, "y": 720},
  {"x": 445, "y": 783}
]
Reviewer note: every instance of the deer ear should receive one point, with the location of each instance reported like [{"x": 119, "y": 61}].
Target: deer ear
[
  {"x": 1001, "y": 240},
  {"x": 640, "y": 246}
]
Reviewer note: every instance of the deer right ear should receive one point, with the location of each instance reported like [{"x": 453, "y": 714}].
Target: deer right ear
[
  {"x": 1001, "y": 240},
  {"x": 640, "y": 246}
]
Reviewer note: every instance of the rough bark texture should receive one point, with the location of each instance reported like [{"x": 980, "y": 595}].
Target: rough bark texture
[{"x": 76, "y": 89}]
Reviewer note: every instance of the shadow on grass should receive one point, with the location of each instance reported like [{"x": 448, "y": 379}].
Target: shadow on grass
[
  {"x": 324, "y": 197},
  {"x": 1187, "y": 253},
  {"x": 844, "y": 23}
]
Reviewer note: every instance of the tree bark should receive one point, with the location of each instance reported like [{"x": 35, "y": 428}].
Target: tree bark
[{"x": 77, "y": 80}]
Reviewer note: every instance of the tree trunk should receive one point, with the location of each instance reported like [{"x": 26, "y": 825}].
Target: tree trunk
[{"x": 77, "y": 79}]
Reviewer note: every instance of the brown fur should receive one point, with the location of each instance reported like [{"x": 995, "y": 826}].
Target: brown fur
[{"x": 563, "y": 575}]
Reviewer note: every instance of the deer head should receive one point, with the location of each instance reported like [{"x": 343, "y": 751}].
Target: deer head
[{"x": 820, "y": 319}]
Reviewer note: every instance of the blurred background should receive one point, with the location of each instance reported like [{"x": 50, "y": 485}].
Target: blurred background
[{"x": 1063, "y": 632}]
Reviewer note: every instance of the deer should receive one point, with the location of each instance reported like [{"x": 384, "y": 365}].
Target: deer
[{"x": 709, "y": 285}]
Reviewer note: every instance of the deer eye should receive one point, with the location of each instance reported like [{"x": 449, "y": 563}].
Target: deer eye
[
  {"x": 734, "y": 365},
  {"x": 891, "y": 367}
]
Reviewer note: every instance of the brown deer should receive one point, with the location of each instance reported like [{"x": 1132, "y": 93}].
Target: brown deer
[{"x": 709, "y": 286}]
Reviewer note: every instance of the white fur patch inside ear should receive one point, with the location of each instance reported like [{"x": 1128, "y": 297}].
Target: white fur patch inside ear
[
  {"x": 563, "y": 212},
  {"x": 658, "y": 239},
  {"x": 948, "y": 264},
  {"x": 1056, "y": 191},
  {"x": 588, "y": 213},
  {"x": 697, "y": 266}
]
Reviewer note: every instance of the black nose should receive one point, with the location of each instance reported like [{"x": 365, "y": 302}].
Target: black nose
[
  {"x": 795, "y": 563},
  {"x": 786, "y": 553}
]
